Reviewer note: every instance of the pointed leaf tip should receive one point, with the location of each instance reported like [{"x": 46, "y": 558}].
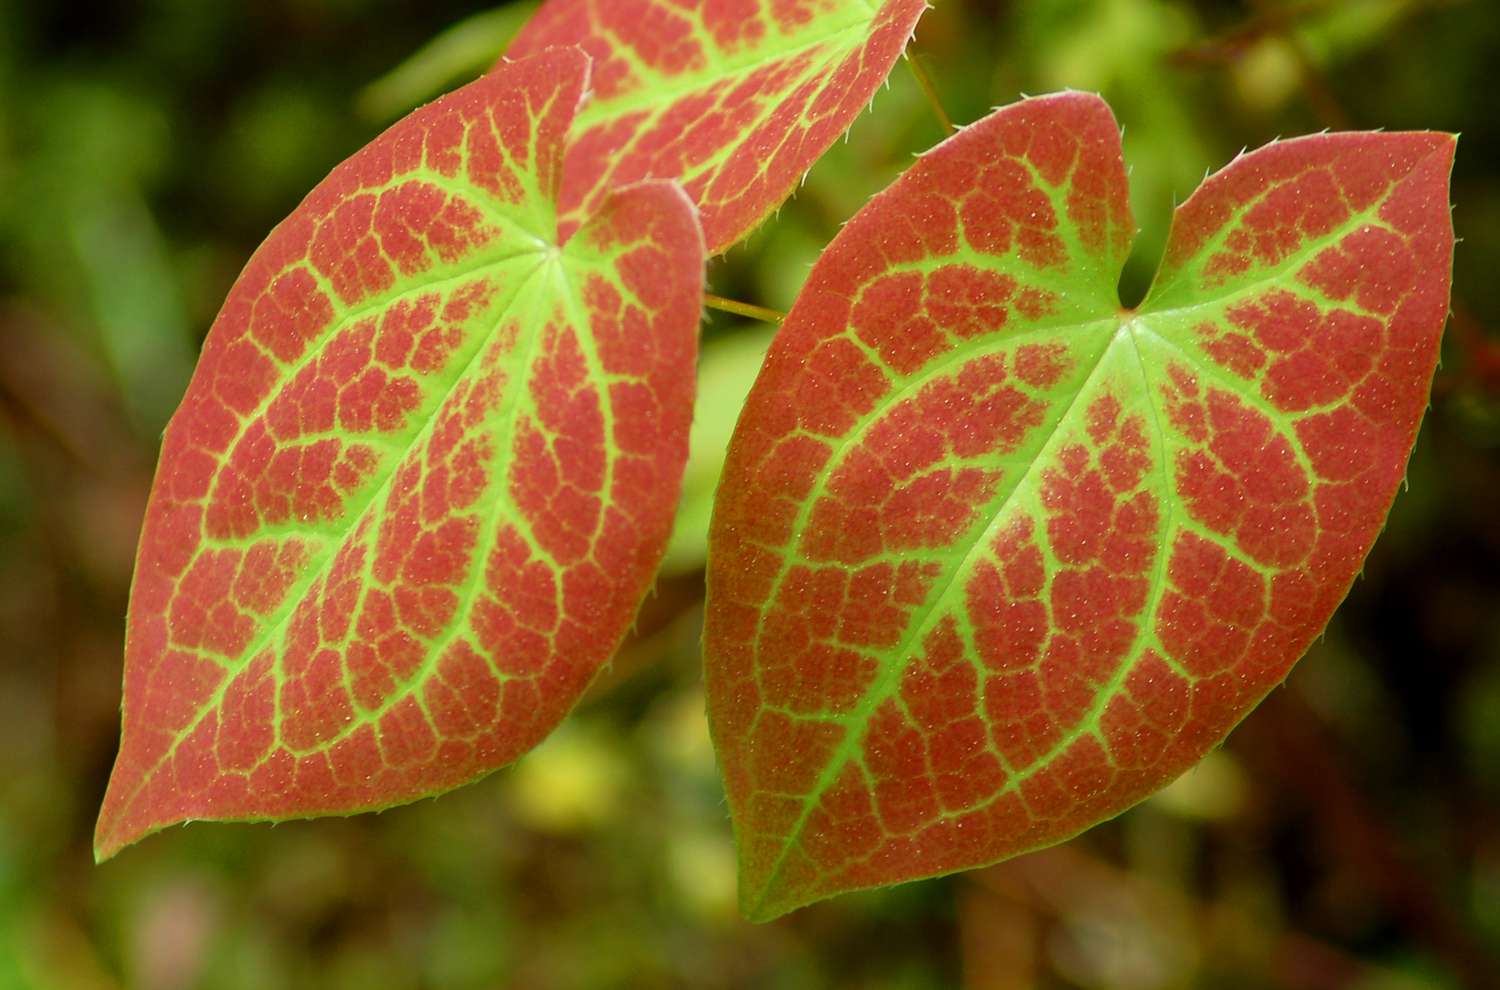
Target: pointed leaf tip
[
  {"x": 421, "y": 479},
  {"x": 993, "y": 559}
]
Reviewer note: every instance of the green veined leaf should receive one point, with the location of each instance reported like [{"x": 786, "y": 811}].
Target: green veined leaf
[
  {"x": 994, "y": 558},
  {"x": 421, "y": 479},
  {"x": 736, "y": 99}
]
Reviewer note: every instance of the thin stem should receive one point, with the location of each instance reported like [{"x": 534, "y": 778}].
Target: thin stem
[
  {"x": 742, "y": 309},
  {"x": 924, "y": 82}
]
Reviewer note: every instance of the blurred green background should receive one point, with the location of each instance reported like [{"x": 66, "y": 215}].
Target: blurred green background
[{"x": 1348, "y": 836}]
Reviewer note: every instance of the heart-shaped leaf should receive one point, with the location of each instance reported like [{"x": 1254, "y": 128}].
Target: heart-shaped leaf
[
  {"x": 735, "y": 100},
  {"x": 994, "y": 558},
  {"x": 421, "y": 478}
]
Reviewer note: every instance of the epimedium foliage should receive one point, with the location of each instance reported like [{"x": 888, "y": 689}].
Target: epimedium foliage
[
  {"x": 734, "y": 99},
  {"x": 992, "y": 557},
  {"x": 428, "y": 462},
  {"x": 421, "y": 479}
]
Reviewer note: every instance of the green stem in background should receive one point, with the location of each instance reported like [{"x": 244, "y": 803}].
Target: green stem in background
[
  {"x": 742, "y": 309},
  {"x": 924, "y": 82}
]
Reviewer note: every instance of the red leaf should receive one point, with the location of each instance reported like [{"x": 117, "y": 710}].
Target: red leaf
[
  {"x": 421, "y": 478},
  {"x": 734, "y": 98},
  {"x": 993, "y": 558}
]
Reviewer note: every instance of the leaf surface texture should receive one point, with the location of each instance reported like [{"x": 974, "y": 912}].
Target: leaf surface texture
[
  {"x": 735, "y": 99},
  {"x": 994, "y": 558},
  {"x": 421, "y": 478}
]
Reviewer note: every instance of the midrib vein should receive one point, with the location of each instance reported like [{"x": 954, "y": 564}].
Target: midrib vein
[
  {"x": 516, "y": 398},
  {"x": 932, "y": 609},
  {"x": 653, "y": 93},
  {"x": 500, "y": 423}
]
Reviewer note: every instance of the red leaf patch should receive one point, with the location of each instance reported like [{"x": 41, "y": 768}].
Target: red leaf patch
[
  {"x": 736, "y": 99},
  {"x": 994, "y": 558},
  {"x": 421, "y": 478}
]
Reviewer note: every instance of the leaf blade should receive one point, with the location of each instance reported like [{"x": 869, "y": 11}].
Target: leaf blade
[
  {"x": 404, "y": 412},
  {"x": 943, "y": 650},
  {"x": 736, "y": 102}
]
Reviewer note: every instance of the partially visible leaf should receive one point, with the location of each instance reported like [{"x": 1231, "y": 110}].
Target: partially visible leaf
[
  {"x": 725, "y": 374},
  {"x": 421, "y": 478},
  {"x": 994, "y": 558},
  {"x": 735, "y": 100},
  {"x": 133, "y": 296}
]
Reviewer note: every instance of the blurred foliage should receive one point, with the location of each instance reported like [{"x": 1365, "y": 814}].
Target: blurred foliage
[
  {"x": 726, "y": 370},
  {"x": 450, "y": 59},
  {"x": 1348, "y": 836}
]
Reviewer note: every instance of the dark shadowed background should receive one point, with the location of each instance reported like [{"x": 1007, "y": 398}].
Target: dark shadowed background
[{"x": 1348, "y": 836}]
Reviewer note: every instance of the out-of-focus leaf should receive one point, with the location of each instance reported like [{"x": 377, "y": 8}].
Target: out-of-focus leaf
[
  {"x": 1213, "y": 790},
  {"x": 91, "y": 240},
  {"x": 279, "y": 131},
  {"x": 134, "y": 298},
  {"x": 725, "y": 374},
  {"x": 464, "y": 50},
  {"x": 574, "y": 781}
]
